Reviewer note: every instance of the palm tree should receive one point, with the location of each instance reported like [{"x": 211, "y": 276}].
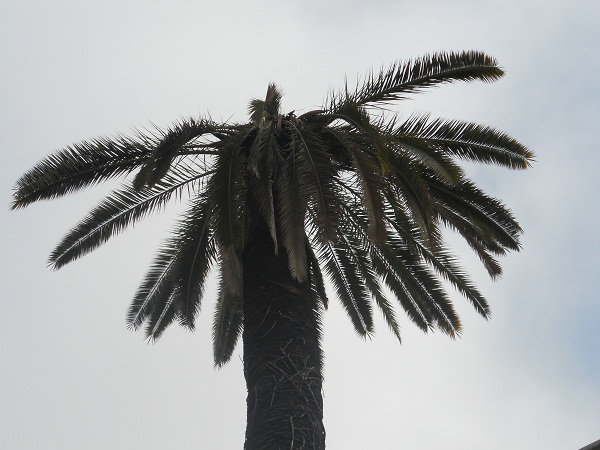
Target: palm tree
[{"x": 348, "y": 192}]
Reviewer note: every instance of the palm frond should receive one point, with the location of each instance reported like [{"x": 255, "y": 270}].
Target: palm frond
[
  {"x": 485, "y": 224},
  {"x": 232, "y": 277},
  {"x": 226, "y": 196},
  {"x": 261, "y": 166},
  {"x": 176, "y": 278},
  {"x": 349, "y": 287},
  {"x": 369, "y": 161},
  {"x": 291, "y": 211},
  {"x": 355, "y": 221},
  {"x": 317, "y": 277},
  {"x": 170, "y": 144},
  {"x": 227, "y": 326},
  {"x": 196, "y": 254},
  {"x": 489, "y": 213},
  {"x": 316, "y": 174},
  {"x": 441, "y": 261},
  {"x": 361, "y": 259},
  {"x": 269, "y": 108},
  {"x": 425, "y": 154},
  {"x": 403, "y": 78},
  {"x": 408, "y": 190},
  {"x": 372, "y": 185},
  {"x": 117, "y": 211},
  {"x": 156, "y": 288},
  {"x": 78, "y": 166},
  {"x": 445, "y": 265},
  {"x": 407, "y": 276},
  {"x": 160, "y": 318},
  {"x": 467, "y": 141}
]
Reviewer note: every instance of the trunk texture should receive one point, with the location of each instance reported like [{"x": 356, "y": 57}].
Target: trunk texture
[{"x": 282, "y": 353}]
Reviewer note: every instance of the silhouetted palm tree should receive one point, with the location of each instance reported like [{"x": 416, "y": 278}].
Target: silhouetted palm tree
[{"x": 348, "y": 192}]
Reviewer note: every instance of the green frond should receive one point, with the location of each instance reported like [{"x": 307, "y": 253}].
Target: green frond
[
  {"x": 117, "y": 211},
  {"x": 488, "y": 212},
  {"x": 168, "y": 146},
  {"x": 407, "y": 276},
  {"x": 396, "y": 285},
  {"x": 349, "y": 287},
  {"x": 318, "y": 285},
  {"x": 403, "y": 78},
  {"x": 408, "y": 190},
  {"x": 269, "y": 108},
  {"x": 368, "y": 160},
  {"x": 485, "y": 224},
  {"x": 426, "y": 155},
  {"x": 356, "y": 223},
  {"x": 446, "y": 266},
  {"x": 291, "y": 212},
  {"x": 156, "y": 288},
  {"x": 227, "y": 326},
  {"x": 372, "y": 185},
  {"x": 160, "y": 318},
  {"x": 316, "y": 181},
  {"x": 176, "y": 278},
  {"x": 362, "y": 261},
  {"x": 232, "y": 277},
  {"x": 261, "y": 176},
  {"x": 226, "y": 193},
  {"x": 398, "y": 265},
  {"x": 196, "y": 254},
  {"x": 78, "y": 166},
  {"x": 467, "y": 141},
  {"x": 441, "y": 261}
]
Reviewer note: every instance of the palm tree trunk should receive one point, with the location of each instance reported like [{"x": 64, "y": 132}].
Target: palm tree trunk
[{"x": 282, "y": 353}]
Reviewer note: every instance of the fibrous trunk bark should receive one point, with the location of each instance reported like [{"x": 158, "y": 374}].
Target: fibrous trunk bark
[{"x": 282, "y": 353}]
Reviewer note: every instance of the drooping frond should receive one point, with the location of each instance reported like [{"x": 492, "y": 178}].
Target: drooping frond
[
  {"x": 160, "y": 318},
  {"x": 371, "y": 186},
  {"x": 176, "y": 279},
  {"x": 485, "y": 224},
  {"x": 467, "y": 141},
  {"x": 155, "y": 291},
  {"x": 349, "y": 286},
  {"x": 365, "y": 160},
  {"x": 79, "y": 166},
  {"x": 408, "y": 278},
  {"x": 317, "y": 281},
  {"x": 168, "y": 145},
  {"x": 291, "y": 211},
  {"x": 227, "y": 326},
  {"x": 440, "y": 260},
  {"x": 260, "y": 184},
  {"x": 424, "y": 287},
  {"x": 408, "y": 190},
  {"x": 361, "y": 259},
  {"x": 226, "y": 196},
  {"x": 316, "y": 181},
  {"x": 197, "y": 252},
  {"x": 120, "y": 209},
  {"x": 424, "y": 155}
]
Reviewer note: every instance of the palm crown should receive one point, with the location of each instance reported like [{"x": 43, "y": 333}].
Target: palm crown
[{"x": 349, "y": 191}]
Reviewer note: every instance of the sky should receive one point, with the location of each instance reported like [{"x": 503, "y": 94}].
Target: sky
[{"x": 74, "y": 377}]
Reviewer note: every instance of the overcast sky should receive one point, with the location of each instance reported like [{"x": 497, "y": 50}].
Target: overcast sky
[{"x": 73, "y": 377}]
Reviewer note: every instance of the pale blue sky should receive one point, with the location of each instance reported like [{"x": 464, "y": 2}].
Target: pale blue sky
[{"x": 73, "y": 377}]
